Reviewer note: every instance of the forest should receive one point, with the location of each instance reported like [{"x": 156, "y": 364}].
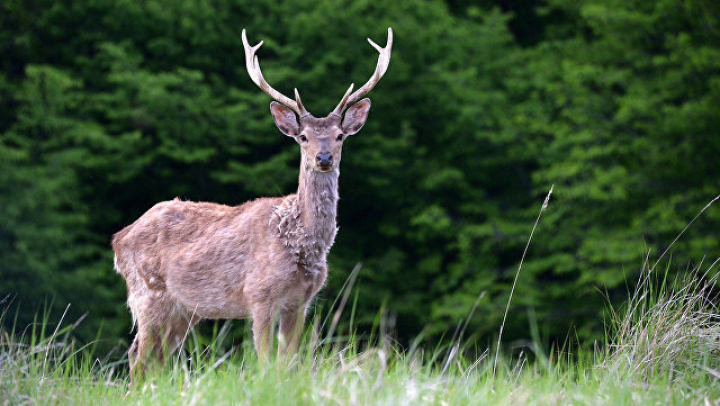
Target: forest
[{"x": 110, "y": 106}]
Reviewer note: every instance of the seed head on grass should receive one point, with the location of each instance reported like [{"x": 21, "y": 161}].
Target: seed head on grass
[{"x": 517, "y": 274}]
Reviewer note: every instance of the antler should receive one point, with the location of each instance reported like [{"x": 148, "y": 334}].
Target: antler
[
  {"x": 382, "y": 65},
  {"x": 253, "y": 68}
]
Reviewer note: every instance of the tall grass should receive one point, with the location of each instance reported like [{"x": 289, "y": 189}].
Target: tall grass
[
  {"x": 670, "y": 327},
  {"x": 662, "y": 347}
]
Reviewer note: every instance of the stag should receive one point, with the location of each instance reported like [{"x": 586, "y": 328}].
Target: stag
[{"x": 265, "y": 259}]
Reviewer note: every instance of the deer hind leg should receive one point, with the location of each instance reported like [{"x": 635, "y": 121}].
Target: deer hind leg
[
  {"x": 173, "y": 333},
  {"x": 140, "y": 352},
  {"x": 154, "y": 343},
  {"x": 161, "y": 329}
]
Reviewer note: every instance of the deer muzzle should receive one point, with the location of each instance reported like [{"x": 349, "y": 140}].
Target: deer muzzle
[{"x": 324, "y": 161}]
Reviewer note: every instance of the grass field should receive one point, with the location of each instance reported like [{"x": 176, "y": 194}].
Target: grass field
[{"x": 663, "y": 348}]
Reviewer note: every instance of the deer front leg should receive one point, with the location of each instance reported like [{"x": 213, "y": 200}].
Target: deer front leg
[
  {"x": 262, "y": 315},
  {"x": 292, "y": 321}
]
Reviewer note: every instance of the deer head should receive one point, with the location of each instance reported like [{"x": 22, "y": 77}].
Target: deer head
[{"x": 320, "y": 139}]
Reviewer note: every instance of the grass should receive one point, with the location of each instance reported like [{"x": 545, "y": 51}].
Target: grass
[{"x": 661, "y": 348}]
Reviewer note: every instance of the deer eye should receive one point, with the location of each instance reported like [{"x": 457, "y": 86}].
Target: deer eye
[
  {"x": 340, "y": 137},
  {"x": 303, "y": 138}
]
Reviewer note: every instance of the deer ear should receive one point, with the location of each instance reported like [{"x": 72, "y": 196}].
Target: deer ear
[
  {"x": 355, "y": 117},
  {"x": 285, "y": 119}
]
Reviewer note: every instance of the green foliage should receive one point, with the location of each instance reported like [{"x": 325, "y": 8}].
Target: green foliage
[{"x": 107, "y": 107}]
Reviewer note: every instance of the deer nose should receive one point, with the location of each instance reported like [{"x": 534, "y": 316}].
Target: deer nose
[{"x": 324, "y": 159}]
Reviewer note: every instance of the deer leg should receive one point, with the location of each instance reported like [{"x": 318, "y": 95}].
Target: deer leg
[
  {"x": 262, "y": 315},
  {"x": 292, "y": 321},
  {"x": 135, "y": 367},
  {"x": 140, "y": 352},
  {"x": 153, "y": 344},
  {"x": 177, "y": 336},
  {"x": 175, "y": 332}
]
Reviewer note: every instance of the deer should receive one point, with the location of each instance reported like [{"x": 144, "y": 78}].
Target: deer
[{"x": 265, "y": 259}]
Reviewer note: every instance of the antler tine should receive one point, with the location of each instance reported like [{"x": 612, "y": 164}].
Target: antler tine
[
  {"x": 341, "y": 106},
  {"x": 303, "y": 112},
  {"x": 253, "y": 67},
  {"x": 380, "y": 69}
]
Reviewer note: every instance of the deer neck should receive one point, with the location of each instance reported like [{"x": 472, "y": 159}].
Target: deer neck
[
  {"x": 317, "y": 198},
  {"x": 306, "y": 221}
]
